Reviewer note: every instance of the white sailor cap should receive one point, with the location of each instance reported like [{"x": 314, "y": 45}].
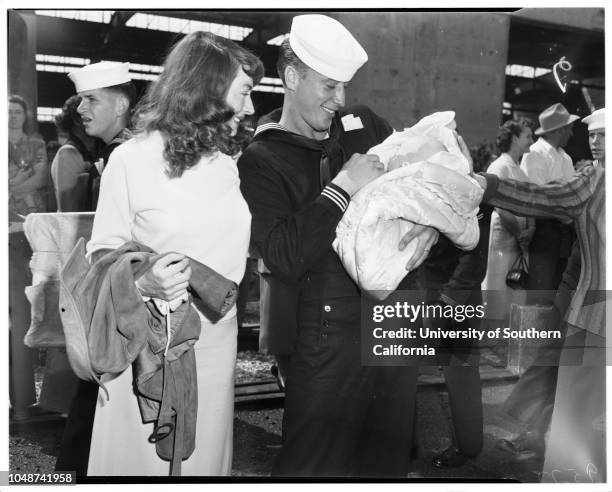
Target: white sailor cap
[
  {"x": 326, "y": 46},
  {"x": 596, "y": 120},
  {"x": 101, "y": 74}
]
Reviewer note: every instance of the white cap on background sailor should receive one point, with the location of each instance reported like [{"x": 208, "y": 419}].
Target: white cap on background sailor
[
  {"x": 326, "y": 46},
  {"x": 596, "y": 123},
  {"x": 100, "y": 75},
  {"x": 596, "y": 120}
]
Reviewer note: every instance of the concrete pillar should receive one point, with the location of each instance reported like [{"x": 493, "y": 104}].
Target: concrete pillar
[
  {"x": 22, "y": 59},
  {"x": 421, "y": 62}
]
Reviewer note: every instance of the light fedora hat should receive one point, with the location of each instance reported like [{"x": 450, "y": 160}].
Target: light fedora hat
[
  {"x": 554, "y": 117},
  {"x": 596, "y": 120},
  {"x": 99, "y": 75},
  {"x": 326, "y": 46}
]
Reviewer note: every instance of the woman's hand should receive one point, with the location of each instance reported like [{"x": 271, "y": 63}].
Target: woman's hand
[
  {"x": 167, "y": 279},
  {"x": 426, "y": 237}
]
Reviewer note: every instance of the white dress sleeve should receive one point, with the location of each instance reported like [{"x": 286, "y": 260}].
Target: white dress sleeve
[{"x": 114, "y": 218}]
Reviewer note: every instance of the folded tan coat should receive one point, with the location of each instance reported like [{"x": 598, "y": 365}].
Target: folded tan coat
[
  {"x": 108, "y": 327},
  {"x": 427, "y": 183}
]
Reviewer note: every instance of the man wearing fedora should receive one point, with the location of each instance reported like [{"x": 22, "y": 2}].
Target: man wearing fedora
[
  {"x": 107, "y": 98},
  {"x": 551, "y": 243},
  {"x": 298, "y": 174}
]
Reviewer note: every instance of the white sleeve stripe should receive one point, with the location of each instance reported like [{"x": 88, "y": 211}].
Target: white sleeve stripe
[
  {"x": 335, "y": 200},
  {"x": 336, "y": 197}
]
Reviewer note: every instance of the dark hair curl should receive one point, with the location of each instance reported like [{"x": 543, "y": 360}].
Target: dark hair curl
[{"x": 187, "y": 103}]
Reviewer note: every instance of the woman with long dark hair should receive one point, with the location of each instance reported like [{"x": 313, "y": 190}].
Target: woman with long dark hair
[{"x": 175, "y": 188}]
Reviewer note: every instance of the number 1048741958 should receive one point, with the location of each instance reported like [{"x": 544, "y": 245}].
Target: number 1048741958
[{"x": 56, "y": 478}]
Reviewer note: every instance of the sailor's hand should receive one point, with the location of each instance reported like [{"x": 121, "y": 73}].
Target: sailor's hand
[
  {"x": 425, "y": 237},
  {"x": 167, "y": 279},
  {"x": 358, "y": 171}
]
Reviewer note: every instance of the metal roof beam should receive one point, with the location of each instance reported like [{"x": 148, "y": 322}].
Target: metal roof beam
[{"x": 113, "y": 29}]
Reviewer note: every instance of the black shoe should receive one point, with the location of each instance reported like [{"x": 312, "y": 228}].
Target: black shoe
[
  {"x": 34, "y": 413},
  {"x": 451, "y": 457},
  {"x": 279, "y": 380}
]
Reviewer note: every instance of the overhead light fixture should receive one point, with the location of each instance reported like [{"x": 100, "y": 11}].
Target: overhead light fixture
[
  {"x": 526, "y": 71},
  {"x": 62, "y": 60},
  {"x": 277, "y": 40},
  {"x": 102, "y": 16},
  {"x": 270, "y": 84},
  {"x": 141, "y": 71},
  {"x": 47, "y": 114},
  {"x": 186, "y": 26},
  {"x": 61, "y": 64}
]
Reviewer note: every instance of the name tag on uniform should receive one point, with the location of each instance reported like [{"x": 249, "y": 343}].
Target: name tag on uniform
[{"x": 351, "y": 122}]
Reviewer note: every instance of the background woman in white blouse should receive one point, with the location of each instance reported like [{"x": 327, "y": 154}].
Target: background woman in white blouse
[
  {"x": 510, "y": 234},
  {"x": 175, "y": 188}
]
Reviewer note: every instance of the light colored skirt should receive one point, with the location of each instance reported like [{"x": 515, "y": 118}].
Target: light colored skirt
[
  {"x": 119, "y": 444},
  {"x": 503, "y": 252}
]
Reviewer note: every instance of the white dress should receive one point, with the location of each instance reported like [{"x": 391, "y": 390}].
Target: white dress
[
  {"x": 503, "y": 250},
  {"x": 203, "y": 215}
]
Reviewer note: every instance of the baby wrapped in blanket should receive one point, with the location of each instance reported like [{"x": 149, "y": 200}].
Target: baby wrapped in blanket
[{"x": 427, "y": 182}]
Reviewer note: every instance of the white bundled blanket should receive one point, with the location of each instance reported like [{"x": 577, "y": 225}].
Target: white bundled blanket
[{"x": 427, "y": 183}]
